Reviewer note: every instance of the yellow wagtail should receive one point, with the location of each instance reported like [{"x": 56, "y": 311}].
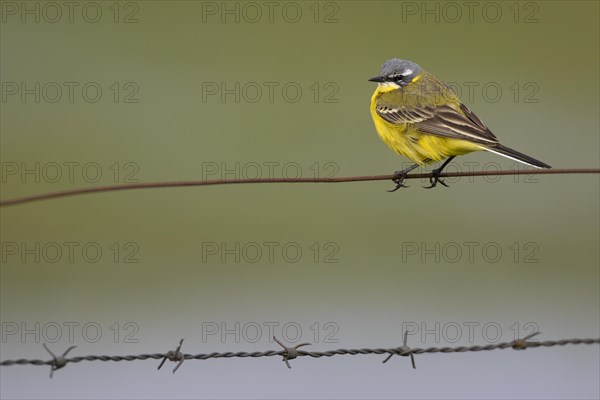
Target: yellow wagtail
[{"x": 421, "y": 118}]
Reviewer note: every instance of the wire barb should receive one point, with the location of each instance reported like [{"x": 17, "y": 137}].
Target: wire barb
[
  {"x": 290, "y": 352},
  {"x": 58, "y": 362},
  {"x": 522, "y": 344},
  {"x": 174, "y": 356},
  {"x": 404, "y": 351}
]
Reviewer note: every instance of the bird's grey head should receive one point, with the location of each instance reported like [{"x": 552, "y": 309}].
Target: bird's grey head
[{"x": 397, "y": 71}]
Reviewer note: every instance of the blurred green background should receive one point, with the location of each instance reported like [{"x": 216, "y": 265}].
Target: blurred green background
[{"x": 533, "y": 69}]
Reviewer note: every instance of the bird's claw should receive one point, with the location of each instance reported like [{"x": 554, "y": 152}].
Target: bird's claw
[
  {"x": 398, "y": 186},
  {"x": 399, "y": 181},
  {"x": 434, "y": 179}
]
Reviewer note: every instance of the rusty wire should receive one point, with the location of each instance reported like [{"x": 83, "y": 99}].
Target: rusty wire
[
  {"x": 154, "y": 185},
  {"x": 290, "y": 353}
]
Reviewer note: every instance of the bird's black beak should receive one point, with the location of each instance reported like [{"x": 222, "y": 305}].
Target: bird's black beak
[{"x": 377, "y": 79}]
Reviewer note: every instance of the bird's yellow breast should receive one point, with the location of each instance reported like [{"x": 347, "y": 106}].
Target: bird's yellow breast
[{"x": 407, "y": 141}]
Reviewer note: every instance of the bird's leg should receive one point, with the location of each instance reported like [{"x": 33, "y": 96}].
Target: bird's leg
[
  {"x": 399, "y": 177},
  {"x": 435, "y": 175}
]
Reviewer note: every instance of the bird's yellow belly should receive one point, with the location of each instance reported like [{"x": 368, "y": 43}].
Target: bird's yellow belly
[{"x": 419, "y": 147}]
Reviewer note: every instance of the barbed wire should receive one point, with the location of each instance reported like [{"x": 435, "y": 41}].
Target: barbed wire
[
  {"x": 290, "y": 353},
  {"x": 154, "y": 185}
]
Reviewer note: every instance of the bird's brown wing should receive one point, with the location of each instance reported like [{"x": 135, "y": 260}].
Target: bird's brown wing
[{"x": 440, "y": 120}]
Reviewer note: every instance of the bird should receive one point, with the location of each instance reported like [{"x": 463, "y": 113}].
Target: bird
[{"x": 420, "y": 117}]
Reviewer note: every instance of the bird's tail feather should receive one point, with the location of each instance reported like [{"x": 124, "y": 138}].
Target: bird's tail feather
[{"x": 515, "y": 155}]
